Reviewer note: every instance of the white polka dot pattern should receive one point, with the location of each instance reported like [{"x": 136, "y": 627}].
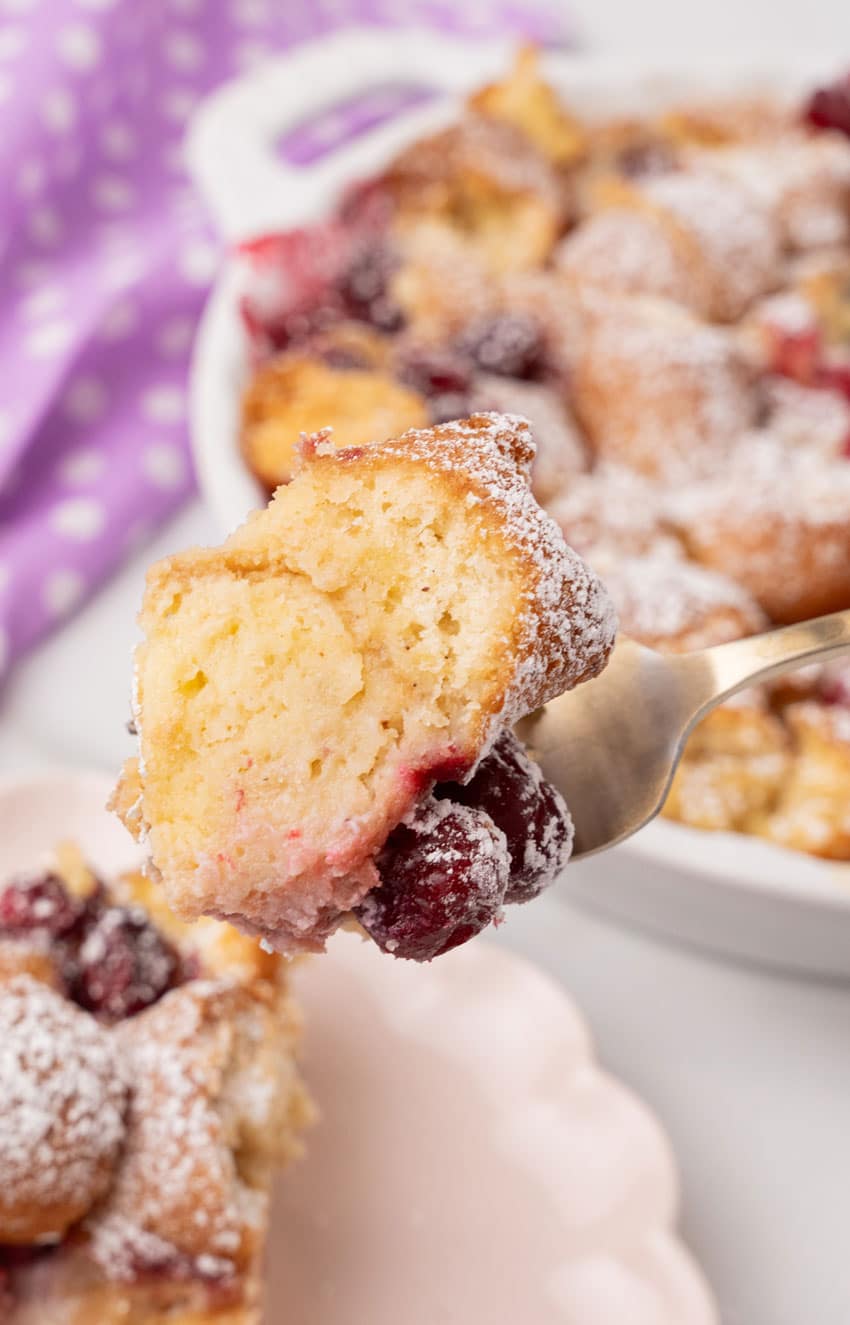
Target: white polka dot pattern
[{"x": 109, "y": 259}]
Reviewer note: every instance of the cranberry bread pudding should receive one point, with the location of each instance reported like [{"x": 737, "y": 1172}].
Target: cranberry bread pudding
[
  {"x": 666, "y": 297},
  {"x": 150, "y": 1092},
  {"x": 302, "y": 689}
]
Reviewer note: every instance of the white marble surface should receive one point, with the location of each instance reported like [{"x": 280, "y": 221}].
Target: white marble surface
[{"x": 749, "y": 1071}]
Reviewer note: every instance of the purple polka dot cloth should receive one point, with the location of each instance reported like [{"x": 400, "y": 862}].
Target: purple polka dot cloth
[{"x": 106, "y": 256}]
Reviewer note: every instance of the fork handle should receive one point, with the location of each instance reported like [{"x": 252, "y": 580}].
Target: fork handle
[{"x": 741, "y": 663}]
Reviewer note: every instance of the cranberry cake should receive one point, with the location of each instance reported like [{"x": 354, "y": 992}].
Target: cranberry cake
[
  {"x": 315, "y": 698},
  {"x": 149, "y": 1094},
  {"x": 666, "y": 297}
]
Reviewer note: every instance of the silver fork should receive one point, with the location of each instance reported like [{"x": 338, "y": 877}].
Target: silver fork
[{"x": 613, "y": 744}]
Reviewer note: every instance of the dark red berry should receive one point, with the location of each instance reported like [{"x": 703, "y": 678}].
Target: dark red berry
[
  {"x": 123, "y": 964},
  {"x": 829, "y": 107},
  {"x": 443, "y": 880},
  {"x": 13, "y": 1256},
  {"x": 435, "y": 372},
  {"x": 292, "y": 294},
  {"x": 43, "y": 903},
  {"x": 444, "y": 378},
  {"x": 508, "y": 344},
  {"x": 836, "y": 377},
  {"x": 835, "y": 686},
  {"x": 510, "y": 788},
  {"x": 364, "y": 287}
]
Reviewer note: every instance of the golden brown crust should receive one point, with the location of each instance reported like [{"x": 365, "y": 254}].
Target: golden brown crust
[
  {"x": 812, "y": 813},
  {"x": 779, "y": 524},
  {"x": 701, "y": 240},
  {"x": 29, "y": 955},
  {"x": 657, "y": 390},
  {"x": 732, "y": 771},
  {"x": 295, "y": 394},
  {"x": 483, "y": 180},
  {"x": 523, "y": 98}
]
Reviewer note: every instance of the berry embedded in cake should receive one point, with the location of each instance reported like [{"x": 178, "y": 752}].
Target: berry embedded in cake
[
  {"x": 362, "y": 643},
  {"x": 149, "y": 1093}
]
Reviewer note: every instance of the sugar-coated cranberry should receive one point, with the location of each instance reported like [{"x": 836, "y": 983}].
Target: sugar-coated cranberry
[
  {"x": 529, "y": 811},
  {"x": 443, "y": 880},
  {"x": 508, "y": 344},
  {"x": 364, "y": 286},
  {"x": 829, "y": 107},
  {"x": 41, "y": 903},
  {"x": 123, "y": 964}
]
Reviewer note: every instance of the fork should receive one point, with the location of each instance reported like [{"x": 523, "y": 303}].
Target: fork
[{"x": 613, "y": 744}]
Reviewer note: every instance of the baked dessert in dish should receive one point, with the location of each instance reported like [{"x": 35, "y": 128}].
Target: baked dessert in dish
[
  {"x": 313, "y": 697},
  {"x": 658, "y": 390},
  {"x": 149, "y": 1095},
  {"x": 667, "y": 297}
]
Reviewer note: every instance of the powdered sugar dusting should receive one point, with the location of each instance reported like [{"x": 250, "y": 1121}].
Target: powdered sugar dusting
[
  {"x": 63, "y": 1092},
  {"x": 178, "y": 1204},
  {"x": 733, "y": 236},
  {"x": 766, "y": 480},
  {"x": 659, "y": 390},
  {"x": 671, "y": 603},
  {"x": 628, "y": 252}
]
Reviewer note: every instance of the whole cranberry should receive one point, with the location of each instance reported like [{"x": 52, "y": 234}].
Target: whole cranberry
[
  {"x": 531, "y": 813},
  {"x": 41, "y": 903},
  {"x": 123, "y": 964},
  {"x": 435, "y": 372},
  {"x": 508, "y": 344},
  {"x": 829, "y": 107},
  {"x": 364, "y": 286},
  {"x": 443, "y": 880},
  {"x": 444, "y": 378}
]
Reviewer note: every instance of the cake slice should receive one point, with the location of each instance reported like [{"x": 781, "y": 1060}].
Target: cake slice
[
  {"x": 364, "y": 640},
  {"x": 150, "y": 1093}
]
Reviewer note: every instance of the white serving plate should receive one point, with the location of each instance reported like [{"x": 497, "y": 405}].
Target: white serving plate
[
  {"x": 472, "y": 1162},
  {"x": 723, "y": 891}
]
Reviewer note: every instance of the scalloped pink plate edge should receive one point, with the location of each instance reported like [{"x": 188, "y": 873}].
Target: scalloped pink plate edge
[{"x": 472, "y": 1163}]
